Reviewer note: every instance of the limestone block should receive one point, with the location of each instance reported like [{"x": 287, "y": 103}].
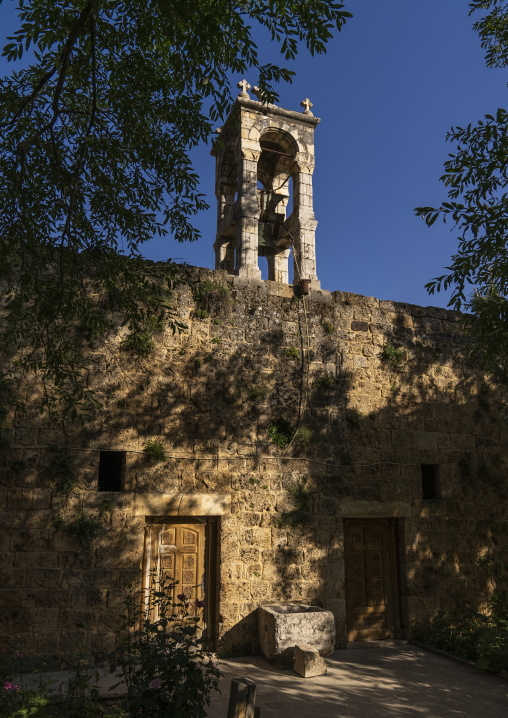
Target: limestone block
[
  {"x": 283, "y": 626},
  {"x": 308, "y": 662}
]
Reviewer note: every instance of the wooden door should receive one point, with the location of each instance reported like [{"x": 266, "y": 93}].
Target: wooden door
[
  {"x": 371, "y": 579},
  {"x": 177, "y": 551}
]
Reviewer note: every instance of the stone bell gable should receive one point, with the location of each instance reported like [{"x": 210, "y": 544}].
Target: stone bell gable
[{"x": 261, "y": 147}]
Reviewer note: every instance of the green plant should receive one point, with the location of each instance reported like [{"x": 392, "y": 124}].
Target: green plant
[
  {"x": 82, "y": 695},
  {"x": 354, "y": 418},
  {"x": 257, "y": 392},
  {"x": 116, "y": 153},
  {"x": 474, "y": 636},
  {"x": 162, "y": 658},
  {"x": 485, "y": 559},
  {"x": 201, "y": 314},
  {"x": 212, "y": 298},
  {"x": 304, "y": 435},
  {"x": 137, "y": 342},
  {"x": 216, "y": 340},
  {"x": 281, "y": 433},
  {"x": 61, "y": 469},
  {"x": 326, "y": 383},
  {"x": 84, "y": 527},
  {"x": 217, "y": 322},
  {"x": 292, "y": 353},
  {"x": 328, "y": 327},
  {"x": 154, "y": 450},
  {"x": 182, "y": 351},
  {"x": 16, "y": 701},
  {"x": 392, "y": 355},
  {"x": 301, "y": 497},
  {"x": 198, "y": 363},
  {"x": 394, "y": 387},
  {"x": 80, "y": 700}
]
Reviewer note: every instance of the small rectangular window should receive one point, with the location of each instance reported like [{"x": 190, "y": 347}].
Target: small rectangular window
[
  {"x": 111, "y": 470},
  {"x": 430, "y": 481}
]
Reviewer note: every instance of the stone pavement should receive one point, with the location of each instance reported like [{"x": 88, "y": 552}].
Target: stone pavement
[
  {"x": 384, "y": 680},
  {"x": 374, "y": 682}
]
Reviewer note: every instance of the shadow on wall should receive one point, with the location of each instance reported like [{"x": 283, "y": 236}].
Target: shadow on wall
[{"x": 377, "y": 398}]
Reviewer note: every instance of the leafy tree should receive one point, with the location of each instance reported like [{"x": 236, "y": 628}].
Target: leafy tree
[
  {"x": 95, "y": 139},
  {"x": 477, "y": 180}
]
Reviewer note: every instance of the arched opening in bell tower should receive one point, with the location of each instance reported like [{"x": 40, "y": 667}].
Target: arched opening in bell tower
[{"x": 275, "y": 169}]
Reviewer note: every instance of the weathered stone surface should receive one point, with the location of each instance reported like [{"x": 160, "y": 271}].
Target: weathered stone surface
[
  {"x": 372, "y": 425},
  {"x": 282, "y": 626},
  {"x": 308, "y": 661}
]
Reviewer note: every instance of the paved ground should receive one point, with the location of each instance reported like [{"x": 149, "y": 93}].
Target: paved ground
[
  {"x": 375, "y": 682},
  {"x": 382, "y": 681}
]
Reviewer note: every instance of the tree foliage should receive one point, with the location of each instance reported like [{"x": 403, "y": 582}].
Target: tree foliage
[
  {"x": 95, "y": 133},
  {"x": 476, "y": 177}
]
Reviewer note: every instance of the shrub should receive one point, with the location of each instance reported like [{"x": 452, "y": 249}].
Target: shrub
[
  {"x": 211, "y": 298},
  {"x": 304, "y": 436},
  {"x": 473, "y": 636},
  {"x": 281, "y": 433},
  {"x": 326, "y": 383},
  {"x": 292, "y": 353},
  {"x": 328, "y": 327},
  {"x": 354, "y": 418},
  {"x": 257, "y": 392},
  {"x": 154, "y": 450},
  {"x": 163, "y": 661},
  {"x": 139, "y": 343},
  {"x": 84, "y": 526},
  {"x": 392, "y": 355}
]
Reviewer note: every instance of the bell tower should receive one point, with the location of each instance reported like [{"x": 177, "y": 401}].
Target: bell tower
[{"x": 261, "y": 147}]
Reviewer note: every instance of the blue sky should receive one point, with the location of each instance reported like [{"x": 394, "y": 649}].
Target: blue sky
[{"x": 392, "y": 83}]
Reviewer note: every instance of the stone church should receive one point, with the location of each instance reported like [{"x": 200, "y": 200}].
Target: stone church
[{"x": 290, "y": 445}]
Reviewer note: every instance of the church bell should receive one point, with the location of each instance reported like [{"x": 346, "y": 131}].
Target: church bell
[{"x": 270, "y": 222}]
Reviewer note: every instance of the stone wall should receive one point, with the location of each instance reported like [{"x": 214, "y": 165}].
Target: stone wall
[{"x": 382, "y": 388}]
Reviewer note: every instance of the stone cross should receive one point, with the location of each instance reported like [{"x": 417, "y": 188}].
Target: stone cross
[
  {"x": 244, "y": 86},
  {"x": 307, "y": 104}
]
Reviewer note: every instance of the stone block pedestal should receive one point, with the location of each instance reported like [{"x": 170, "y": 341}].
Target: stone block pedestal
[
  {"x": 308, "y": 662},
  {"x": 283, "y": 626}
]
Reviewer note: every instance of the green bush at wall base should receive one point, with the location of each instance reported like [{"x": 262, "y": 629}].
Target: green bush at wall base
[{"x": 474, "y": 637}]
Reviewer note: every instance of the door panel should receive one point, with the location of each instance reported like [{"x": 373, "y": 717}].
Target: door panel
[
  {"x": 177, "y": 551},
  {"x": 371, "y": 579}
]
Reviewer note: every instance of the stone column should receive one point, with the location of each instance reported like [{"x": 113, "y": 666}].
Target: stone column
[
  {"x": 225, "y": 256},
  {"x": 278, "y": 270},
  {"x": 305, "y": 236},
  {"x": 247, "y": 217}
]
